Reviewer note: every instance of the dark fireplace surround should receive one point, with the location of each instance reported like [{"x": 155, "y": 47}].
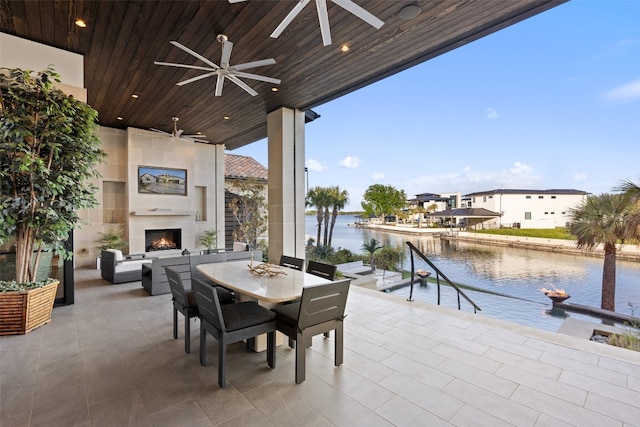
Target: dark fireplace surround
[{"x": 162, "y": 240}]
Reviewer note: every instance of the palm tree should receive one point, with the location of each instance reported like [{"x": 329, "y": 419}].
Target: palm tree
[
  {"x": 605, "y": 219},
  {"x": 633, "y": 191},
  {"x": 339, "y": 200},
  {"x": 317, "y": 197},
  {"x": 371, "y": 246}
]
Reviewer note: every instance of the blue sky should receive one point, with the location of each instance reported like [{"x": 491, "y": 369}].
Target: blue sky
[{"x": 551, "y": 102}]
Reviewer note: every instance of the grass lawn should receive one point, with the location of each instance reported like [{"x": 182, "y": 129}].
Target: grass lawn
[{"x": 546, "y": 233}]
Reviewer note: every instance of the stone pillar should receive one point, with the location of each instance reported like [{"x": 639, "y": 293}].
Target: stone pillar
[{"x": 285, "y": 133}]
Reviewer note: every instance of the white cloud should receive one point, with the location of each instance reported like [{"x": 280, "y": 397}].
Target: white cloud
[
  {"x": 625, "y": 93},
  {"x": 519, "y": 175},
  {"x": 350, "y": 162},
  {"x": 491, "y": 113},
  {"x": 580, "y": 177},
  {"x": 377, "y": 176},
  {"x": 316, "y": 166}
]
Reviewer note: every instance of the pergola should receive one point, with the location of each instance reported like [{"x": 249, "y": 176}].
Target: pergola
[{"x": 474, "y": 216}]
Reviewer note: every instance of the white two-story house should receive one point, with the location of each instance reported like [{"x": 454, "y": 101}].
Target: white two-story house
[{"x": 527, "y": 208}]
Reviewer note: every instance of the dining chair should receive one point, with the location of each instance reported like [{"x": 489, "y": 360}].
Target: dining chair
[
  {"x": 232, "y": 323},
  {"x": 321, "y": 309},
  {"x": 184, "y": 301},
  {"x": 327, "y": 271},
  {"x": 291, "y": 262}
]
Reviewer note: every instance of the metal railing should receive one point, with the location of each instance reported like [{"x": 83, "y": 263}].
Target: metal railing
[{"x": 439, "y": 274}]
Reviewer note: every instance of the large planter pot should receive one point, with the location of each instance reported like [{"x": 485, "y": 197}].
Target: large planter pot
[{"x": 23, "y": 311}]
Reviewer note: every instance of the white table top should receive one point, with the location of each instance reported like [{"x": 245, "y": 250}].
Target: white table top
[{"x": 281, "y": 288}]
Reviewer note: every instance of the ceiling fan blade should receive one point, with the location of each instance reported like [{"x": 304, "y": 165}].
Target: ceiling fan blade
[
  {"x": 160, "y": 131},
  {"x": 193, "y": 53},
  {"x": 194, "y": 67},
  {"x": 179, "y": 132},
  {"x": 227, "y": 46},
  {"x": 257, "y": 77},
  {"x": 196, "y": 136},
  {"x": 252, "y": 64},
  {"x": 236, "y": 1},
  {"x": 219, "y": 84},
  {"x": 323, "y": 17},
  {"x": 360, "y": 12},
  {"x": 290, "y": 17},
  {"x": 194, "y": 79},
  {"x": 242, "y": 84}
]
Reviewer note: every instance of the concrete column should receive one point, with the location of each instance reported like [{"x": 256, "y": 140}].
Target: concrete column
[
  {"x": 218, "y": 197},
  {"x": 285, "y": 133}
]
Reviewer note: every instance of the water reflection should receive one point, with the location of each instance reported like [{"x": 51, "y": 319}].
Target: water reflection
[{"x": 513, "y": 271}]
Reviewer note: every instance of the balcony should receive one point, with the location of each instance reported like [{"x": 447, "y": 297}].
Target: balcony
[{"x": 110, "y": 359}]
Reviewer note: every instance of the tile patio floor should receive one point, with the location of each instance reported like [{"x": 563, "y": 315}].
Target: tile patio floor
[{"x": 110, "y": 360}]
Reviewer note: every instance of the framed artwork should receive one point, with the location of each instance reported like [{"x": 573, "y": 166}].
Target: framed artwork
[{"x": 153, "y": 180}]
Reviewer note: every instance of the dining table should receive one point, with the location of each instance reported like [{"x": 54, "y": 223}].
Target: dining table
[{"x": 268, "y": 284}]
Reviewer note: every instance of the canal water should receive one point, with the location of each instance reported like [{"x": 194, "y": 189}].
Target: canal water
[{"x": 517, "y": 273}]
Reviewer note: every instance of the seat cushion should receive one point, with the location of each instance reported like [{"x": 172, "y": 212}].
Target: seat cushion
[
  {"x": 245, "y": 314},
  {"x": 287, "y": 313},
  {"x": 117, "y": 253},
  {"x": 191, "y": 299}
]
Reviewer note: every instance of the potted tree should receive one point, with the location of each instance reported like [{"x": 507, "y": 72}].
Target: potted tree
[
  {"x": 48, "y": 153},
  {"x": 111, "y": 240},
  {"x": 210, "y": 239}
]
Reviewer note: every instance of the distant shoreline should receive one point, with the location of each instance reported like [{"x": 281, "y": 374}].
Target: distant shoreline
[{"x": 625, "y": 252}]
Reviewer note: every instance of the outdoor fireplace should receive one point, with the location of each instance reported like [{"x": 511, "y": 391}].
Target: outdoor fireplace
[{"x": 162, "y": 240}]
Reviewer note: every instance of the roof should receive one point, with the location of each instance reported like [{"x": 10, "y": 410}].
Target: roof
[
  {"x": 466, "y": 213},
  {"x": 243, "y": 167},
  {"x": 123, "y": 38},
  {"x": 515, "y": 191},
  {"x": 428, "y": 197}
]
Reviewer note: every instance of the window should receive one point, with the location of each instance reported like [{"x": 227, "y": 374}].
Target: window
[
  {"x": 546, "y": 213},
  {"x": 484, "y": 198},
  {"x": 528, "y": 197},
  {"x": 527, "y": 215},
  {"x": 491, "y": 197},
  {"x": 553, "y": 213},
  {"x": 540, "y": 197},
  {"x": 564, "y": 213},
  {"x": 553, "y": 197}
]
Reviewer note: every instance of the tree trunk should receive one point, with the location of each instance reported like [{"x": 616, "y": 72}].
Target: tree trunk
[
  {"x": 326, "y": 226},
  {"x": 334, "y": 216},
  {"x": 609, "y": 278},
  {"x": 319, "y": 216}
]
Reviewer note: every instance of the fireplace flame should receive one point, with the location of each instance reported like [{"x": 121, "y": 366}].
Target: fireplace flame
[{"x": 163, "y": 243}]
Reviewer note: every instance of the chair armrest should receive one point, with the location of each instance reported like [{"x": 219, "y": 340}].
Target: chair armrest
[{"x": 135, "y": 256}]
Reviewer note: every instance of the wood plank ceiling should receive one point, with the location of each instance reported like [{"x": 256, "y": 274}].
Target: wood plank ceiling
[{"x": 123, "y": 39}]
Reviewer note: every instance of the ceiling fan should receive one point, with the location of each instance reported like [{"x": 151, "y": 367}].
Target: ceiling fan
[
  {"x": 225, "y": 70},
  {"x": 323, "y": 16},
  {"x": 179, "y": 133}
]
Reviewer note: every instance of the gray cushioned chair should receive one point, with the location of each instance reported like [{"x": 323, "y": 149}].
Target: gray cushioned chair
[
  {"x": 184, "y": 301},
  {"x": 232, "y": 323},
  {"x": 321, "y": 309}
]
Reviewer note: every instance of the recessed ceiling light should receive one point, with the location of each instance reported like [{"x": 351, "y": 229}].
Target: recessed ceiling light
[
  {"x": 344, "y": 48},
  {"x": 119, "y": 118},
  {"x": 226, "y": 117},
  {"x": 409, "y": 12},
  {"x": 274, "y": 89},
  {"x": 80, "y": 23},
  {"x": 135, "y": 96},
  {"x": 198, "y": 133}
]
